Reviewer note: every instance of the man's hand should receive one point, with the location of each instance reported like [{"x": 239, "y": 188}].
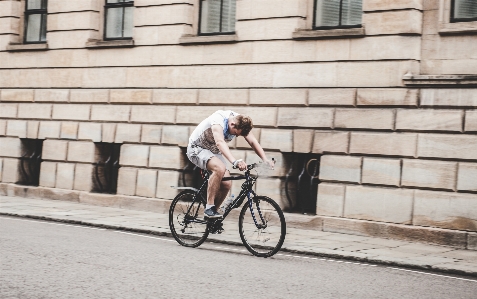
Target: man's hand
[
  {"x": 270, "y": 163},
  {"x": 241, "y": 165}
]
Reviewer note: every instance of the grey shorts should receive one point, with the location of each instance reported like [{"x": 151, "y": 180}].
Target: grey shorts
[{"x": 200, "y": 156}]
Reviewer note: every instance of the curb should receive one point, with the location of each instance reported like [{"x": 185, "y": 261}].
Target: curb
[{"x": 284, "y": 249}]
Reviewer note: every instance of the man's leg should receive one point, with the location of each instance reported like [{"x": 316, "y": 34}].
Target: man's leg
[
  {"x": 217, "y": 190},
  {"x": 223, "y": 190}
]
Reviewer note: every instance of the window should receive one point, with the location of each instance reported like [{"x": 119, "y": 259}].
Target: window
[
  {"x": 217, "y": 17},
  {"x": 118, "y": 19},
  {"x": 35, "y": 21},
  {"x": 30, "y": 161},
  {"x": 464, "y": 10},
  {"x": 106, "y": 168},
  {"x": 330, "y": 14}
]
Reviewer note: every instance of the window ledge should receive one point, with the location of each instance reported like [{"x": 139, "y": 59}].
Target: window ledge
[
  {"x": 458, "y": 28},
  {"x": 102, "y": 44},
  {"x": 329, "y": 33},
  {"x": 188, "y": 39},
  {"x": 439, "y": 80},
  {"x": 27, "y": 47}
]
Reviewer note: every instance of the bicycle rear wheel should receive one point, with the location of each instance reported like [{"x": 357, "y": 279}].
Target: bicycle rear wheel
[
  {"x": 265, "y": 236},
  {"x": 186, "y": 219}
]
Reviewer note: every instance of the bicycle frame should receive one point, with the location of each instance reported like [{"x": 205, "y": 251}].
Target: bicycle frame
[{"x": 245, "y": 192}]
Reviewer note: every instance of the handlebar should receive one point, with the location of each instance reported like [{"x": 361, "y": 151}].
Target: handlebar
[{"x": 254, "y": 165}]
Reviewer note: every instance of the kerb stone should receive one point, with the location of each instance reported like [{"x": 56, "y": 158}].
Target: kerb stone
[{"x": 395, "y": 231}]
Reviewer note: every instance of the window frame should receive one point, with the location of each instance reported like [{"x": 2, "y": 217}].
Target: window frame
[
  {"x": 458, "y": 20},
  {"x": 199, "y": 33},
  {"x": 115, "y": 5},
  {"x": 43, "y": 13},
  {"x": 314, "y": 27}
]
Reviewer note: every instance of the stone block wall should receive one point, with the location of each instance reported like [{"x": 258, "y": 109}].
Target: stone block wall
[{"x": 389, "y": 110}]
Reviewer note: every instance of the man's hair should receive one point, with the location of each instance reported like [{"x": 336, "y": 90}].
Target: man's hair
[{"x": 244, "y": 123}]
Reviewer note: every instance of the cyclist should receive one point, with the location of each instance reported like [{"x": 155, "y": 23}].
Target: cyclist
[{"x": 208, "y": 150}]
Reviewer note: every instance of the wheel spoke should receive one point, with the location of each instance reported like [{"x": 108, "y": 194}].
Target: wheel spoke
[
  {"x": 264, "y": 236},
  {"x": 183, "y": 214}
]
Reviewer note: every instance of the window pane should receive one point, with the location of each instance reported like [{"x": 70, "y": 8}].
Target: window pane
[
  {"x": 35, "y": 4},
  {"x": 210, "y": 16},
  {"x": 114, "y": 22},
  {"x": 33, "y": 28},
  {"x": 43, "y": 28},
  {"x": 352, "y": 12},
  {"x": 465, "y": 9},
  {"x": 228, "y": 16},
  {"x": 128, "y": 21},
  {"x": 327, "y": 13}
]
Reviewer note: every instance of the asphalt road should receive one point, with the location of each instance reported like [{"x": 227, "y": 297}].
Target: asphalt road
[{"x": 50, "y": 260}]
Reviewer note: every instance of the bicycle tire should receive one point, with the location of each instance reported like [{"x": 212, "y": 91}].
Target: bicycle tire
[
  {"x": 191, "y": 234},
  {"x": 262, "y": 242}
]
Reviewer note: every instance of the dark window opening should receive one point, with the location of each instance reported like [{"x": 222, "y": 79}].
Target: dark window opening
[
  {"x": 35, "y": 21},
  {"x": 106, "y": 167},
  {"x": 30, "y": 161},
  {"x": 118, "y": 20},
  {"x": 463, "y": 10},
  {"x": 191, "y": 175},
  {"x": 301, "y": 182},
  {"x": 334, "y": 14},
  {"x": 217, "y": 17}
]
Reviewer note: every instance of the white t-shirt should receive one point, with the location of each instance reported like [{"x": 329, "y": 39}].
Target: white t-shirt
[{"x": 202, "y": 135}]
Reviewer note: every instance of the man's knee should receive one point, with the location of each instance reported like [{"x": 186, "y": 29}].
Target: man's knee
[
  {"x": 216, "y": 166},
  {"x": 226, "y": 185}
]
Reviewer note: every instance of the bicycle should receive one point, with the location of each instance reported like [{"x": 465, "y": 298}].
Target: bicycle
[{"x": 262, "y": 230}]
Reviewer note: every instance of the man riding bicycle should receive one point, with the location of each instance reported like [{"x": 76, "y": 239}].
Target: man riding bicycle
[{"x": 208, "y": 150}]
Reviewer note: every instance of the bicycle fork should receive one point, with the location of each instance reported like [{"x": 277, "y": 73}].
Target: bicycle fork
[{"x": 250, "y": 203}]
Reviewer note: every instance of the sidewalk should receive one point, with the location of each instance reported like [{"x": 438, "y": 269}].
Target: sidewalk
[{"x": 334, "y": 245}]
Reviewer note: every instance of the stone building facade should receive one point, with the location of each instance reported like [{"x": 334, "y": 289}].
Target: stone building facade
[{"x": 388, "y": 105}]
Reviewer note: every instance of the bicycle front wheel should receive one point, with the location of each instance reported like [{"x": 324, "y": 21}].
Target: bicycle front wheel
[
  {"x": 265, "y": 235},
  {"x": 186, "y": 219}
]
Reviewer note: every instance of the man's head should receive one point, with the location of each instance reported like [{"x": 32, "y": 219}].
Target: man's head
[{"x": 241, "y": 125}]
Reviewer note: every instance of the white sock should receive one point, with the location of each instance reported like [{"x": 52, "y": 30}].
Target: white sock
[{"x": 207, "y": 206}]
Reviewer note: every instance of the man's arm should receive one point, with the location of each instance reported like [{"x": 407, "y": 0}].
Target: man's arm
[
  {"x": 250, "y": 138},
  {"x": 218, "y": 132}
]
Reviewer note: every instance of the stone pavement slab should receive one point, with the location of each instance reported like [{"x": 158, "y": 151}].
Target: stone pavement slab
[{"x": 306, "y": 241}]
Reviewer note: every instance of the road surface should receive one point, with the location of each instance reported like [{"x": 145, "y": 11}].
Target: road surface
[{"x": 51, "y": 260}]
